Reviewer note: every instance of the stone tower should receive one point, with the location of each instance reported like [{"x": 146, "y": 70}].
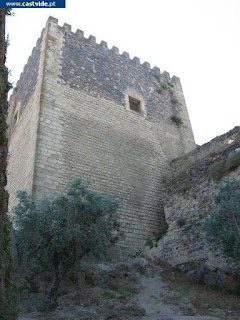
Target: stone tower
[{"x": 83, "y": 110}]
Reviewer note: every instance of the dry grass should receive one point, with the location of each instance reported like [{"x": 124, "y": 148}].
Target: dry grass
[{"x": 202, "y": 297}]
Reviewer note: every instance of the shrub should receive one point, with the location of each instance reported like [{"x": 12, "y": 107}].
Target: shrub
[
  {"x": 160, "y": 90},
  {"x": 149, "y": 243},
  {"x": 223, "y": 226},
  {"x": 164, "y": 179},
  {"x": 123, "y": 291},
  {"x": 177, "y": 120},
  {"x": 174, "y": 100},
  {"x": 161, "y": 234},
  {"x": 164, "y": 86},
  {"x": 217, "y": 170},
  {"x": 157, "y": 76},
  {"x": 181, "y": 222},
  {"x": 53, "y": 235},
  {"x": 233, "y": 161}
]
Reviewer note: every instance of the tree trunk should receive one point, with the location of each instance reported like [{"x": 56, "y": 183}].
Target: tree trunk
[
  {"x": 50, "y": 299},
  {"x": 7, "y": 296}
]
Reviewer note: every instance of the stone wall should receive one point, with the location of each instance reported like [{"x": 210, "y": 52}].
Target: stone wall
[
  {"x": 98, "y": 140},
  {"x": 104, "y": 73},
  {"x": 23, "y": 117},
  {"x": 188, "y": 201},
  {"x": 82, "y": 128}
]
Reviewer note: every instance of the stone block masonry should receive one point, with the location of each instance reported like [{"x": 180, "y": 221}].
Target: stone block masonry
[
  {"x": 76, "y": 122},
  {"x": 188, "y": 200}
]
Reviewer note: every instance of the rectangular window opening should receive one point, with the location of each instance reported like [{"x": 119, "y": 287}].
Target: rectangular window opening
[{"x": 134, "y": 104}]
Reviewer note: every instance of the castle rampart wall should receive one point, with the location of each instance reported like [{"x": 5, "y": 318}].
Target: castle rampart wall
[
  {"x": 23, "y": 120},
  {"x": 189, "y": 199}
]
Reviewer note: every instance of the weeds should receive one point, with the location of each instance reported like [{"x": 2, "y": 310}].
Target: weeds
[
  {"x": 108, "y": 295},
  {"x": 233, "y": 161},
  {"x": 177, "y": 120},
  {"x": 181, "y": 222},
  {"x": 164, "y": 179},
  {"x": 124, "y": 292},
  {"x": 156, "y": 76},
  {"x": 217, "y": 170},
  {"x": 174, "y": 100}
]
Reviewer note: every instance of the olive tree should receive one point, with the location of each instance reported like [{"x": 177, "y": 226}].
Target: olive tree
[
  {"x": 223, "y": 226},
  {"x": 54, "y": 234}
]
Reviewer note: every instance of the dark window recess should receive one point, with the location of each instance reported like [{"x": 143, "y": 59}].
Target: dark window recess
[{"x": 134, "y": 104}]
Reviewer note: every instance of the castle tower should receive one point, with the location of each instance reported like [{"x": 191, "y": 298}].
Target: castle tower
[{"x": 83, "y": 110}]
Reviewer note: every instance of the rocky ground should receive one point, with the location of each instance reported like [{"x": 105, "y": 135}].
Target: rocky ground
[{"x": 135, "y": 288}]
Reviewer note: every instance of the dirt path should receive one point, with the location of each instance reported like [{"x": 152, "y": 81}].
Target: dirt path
[
  {"x": 152, "y": 298},
  {"x": 136, "y": 290}
]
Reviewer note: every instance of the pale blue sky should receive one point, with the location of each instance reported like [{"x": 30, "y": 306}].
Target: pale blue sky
[{"x": 196, "y": 40}]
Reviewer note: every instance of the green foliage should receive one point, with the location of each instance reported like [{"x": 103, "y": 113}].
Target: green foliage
[
  {"x": 177, "y": 120},
  {"x": 181, "y": 222},
  {"x": 174, "y": 100},
  {"x": 3, "y": 126},
  {"x": 157, "y": 76},
  {"x": 149, "y": 243},
  {"x": 223, "y": 226},
  {"x": 108, "y": 295},
  {"x": 123, "y": 291},
  {"x": 9, "y": 12},
  {"x": 153, "y": 241},
  {"x": 56, "y": 234},
  {"x": 161, "y": 234},
  {"x": 164, "y": 179},
  {"x": 164, "y": 86},
  {"x": 233, "y": 161},
  {"x": 219, "y": 169},
  {"x": 8, "y": 292}
]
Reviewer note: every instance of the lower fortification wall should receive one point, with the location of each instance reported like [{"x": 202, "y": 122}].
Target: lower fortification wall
[{"x": 188, "y": 200}]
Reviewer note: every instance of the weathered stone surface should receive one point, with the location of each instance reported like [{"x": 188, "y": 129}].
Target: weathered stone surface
[
  {"x": 77, "y": 123},
  {"x": 188, "y": 200}
]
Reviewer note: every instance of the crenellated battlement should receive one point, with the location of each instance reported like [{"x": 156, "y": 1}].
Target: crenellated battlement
[{"x": 124, "y": 55}]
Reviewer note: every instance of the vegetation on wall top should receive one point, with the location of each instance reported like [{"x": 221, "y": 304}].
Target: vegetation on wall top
[{"x": 223, "y": 226}]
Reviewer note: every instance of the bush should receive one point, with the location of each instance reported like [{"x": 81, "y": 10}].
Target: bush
[
  {"x": 157, "y": 76},
  {"x": 217, "y": 170},
  {"x": 53, "y": 235},
  {"x": 223, "y": 226},
  {"x": 164, "y": 179},
  {"x": 164, "y": 86},
  {"x": 181, "y": 222},
  {"x": 177, "y": 120},
  {"x": 149, "y": 243},
  {"x": 233, "y": 161},
  {"x": 174, "y": 100}
]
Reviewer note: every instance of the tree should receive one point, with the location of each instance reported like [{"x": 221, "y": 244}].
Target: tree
[
  {"x": 7, "y": 295},
  {"x": 223, "y": 226},
  {"x": 55, "y": 234}
]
